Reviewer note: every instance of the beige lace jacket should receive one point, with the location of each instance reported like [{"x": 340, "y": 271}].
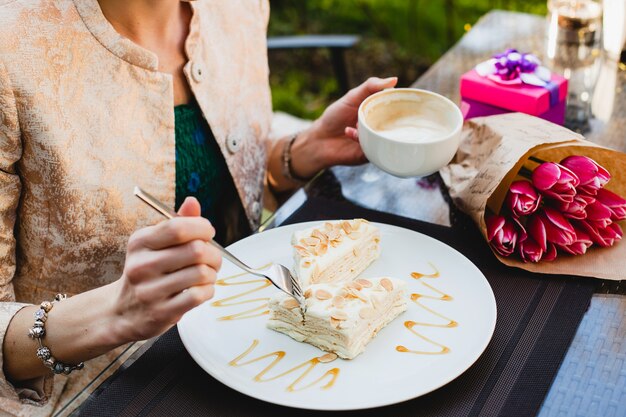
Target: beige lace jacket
[{"x": 84, "y": 117}]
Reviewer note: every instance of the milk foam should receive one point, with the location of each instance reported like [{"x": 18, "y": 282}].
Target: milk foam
[{"x": 412, "y": 129}]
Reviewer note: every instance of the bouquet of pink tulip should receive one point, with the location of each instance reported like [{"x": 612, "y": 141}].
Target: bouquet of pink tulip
[
  {"x": 530, "y": 210},
  {"x": 563, "y": 208}
]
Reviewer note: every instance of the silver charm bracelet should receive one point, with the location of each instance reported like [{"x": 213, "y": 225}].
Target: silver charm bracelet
[{"x": 38, "y": 331}]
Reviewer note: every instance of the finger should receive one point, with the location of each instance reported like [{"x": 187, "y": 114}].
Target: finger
[
  {"x": 173, "y": 232},
  {"x": 352, "y": 133},
  {"x": 196, "y": 252},
  {"x": 190, "y": 207},
  {"x": 186, "y": 300},
  {"x": 171, "y": 284},
  {"x": 369, "y": 87},
  {"x": 147, "y": 265}
]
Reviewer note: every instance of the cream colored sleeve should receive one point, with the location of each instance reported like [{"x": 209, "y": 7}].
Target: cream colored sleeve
[
  {"x": 265, "y": 11},
  {"x": 34, "y": 391}
]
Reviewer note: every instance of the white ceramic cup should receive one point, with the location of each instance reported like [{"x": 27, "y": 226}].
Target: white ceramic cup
[{"x": 409, "y": 132}]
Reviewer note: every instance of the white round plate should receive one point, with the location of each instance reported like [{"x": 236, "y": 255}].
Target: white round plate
[{"x": 454, "y": 316}]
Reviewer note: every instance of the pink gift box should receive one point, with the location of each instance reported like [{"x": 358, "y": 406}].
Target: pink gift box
[
  {"x": 472, "y": 108},
  {"x": 498, "y": 98}
]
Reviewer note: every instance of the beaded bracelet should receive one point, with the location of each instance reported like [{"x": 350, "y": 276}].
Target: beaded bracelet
[
  {"x": 286, "y": 159},
  {"x": 38, "y": 331}
]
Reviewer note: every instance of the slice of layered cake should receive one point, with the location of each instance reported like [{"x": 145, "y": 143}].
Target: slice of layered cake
[
  {"x": 340, "y": 317},
  {"x": 334, "y": 251}
]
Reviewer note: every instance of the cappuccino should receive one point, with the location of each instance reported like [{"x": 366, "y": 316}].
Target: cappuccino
[
  {"x": 409, "y": 119},
  {"x": 408, "y": 132},
  {"x": 412, "y": 129}
]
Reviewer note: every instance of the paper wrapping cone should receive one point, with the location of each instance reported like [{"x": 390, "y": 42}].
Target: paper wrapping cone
[{"x": 493, "y": 150}]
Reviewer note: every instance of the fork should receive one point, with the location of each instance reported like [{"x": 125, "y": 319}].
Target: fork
[{"x": 277, "y": 274}]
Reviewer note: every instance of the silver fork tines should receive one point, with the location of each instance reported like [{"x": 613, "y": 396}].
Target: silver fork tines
[{"x": 277, "y": 274}]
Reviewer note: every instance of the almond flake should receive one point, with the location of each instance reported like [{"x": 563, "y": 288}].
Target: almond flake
[
  {"x": 328, "y": 226},
  {"x": 338, "y": 301},
  {"x": 323, "y": 295},
  {"x": 308, "y": 293},
  {"x": 334, "y": 235},
  {"x": 310, "y": 241},
  {"x": 365, "y": 283},
  {"x": 345, "y": 225},
  {"x": 334, "y": 243},
  {"x": 301, "y": 251},
  {"x": 329, "y": 357},
  {"x": 319, "y": 235},
  {"x": 356, "y": 224},
  {"x": 321, "y": 249},
  {"x": 355, "y": 285},
  {"x": 290, "y": 304},
  {"x": 354, "y": 235},
  {"x": 335, "y": 323},
  {"x": 387, "y": 284},
  {"x": 306, "y": 264},
  {"x": 367, "y": 313},
  {"x": 352, "y": 293},
  {"x": 338, "y": 315}
]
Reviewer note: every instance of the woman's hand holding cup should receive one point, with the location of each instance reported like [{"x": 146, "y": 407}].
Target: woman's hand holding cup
[{"x": 333, "y": 138}]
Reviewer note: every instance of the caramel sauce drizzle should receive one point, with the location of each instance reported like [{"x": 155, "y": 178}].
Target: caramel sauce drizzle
[
  {"x": 308, "y": 366},
  {"x": 236, "y": 299},
  {"x": 415, "y": 297}
]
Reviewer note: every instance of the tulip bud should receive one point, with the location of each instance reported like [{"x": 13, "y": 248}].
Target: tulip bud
[
  {"x": 538, "y": 233},
  {"x": 536, "y": 246},
  {"x": 615, "y": 203},
  {"x": 503, "y": 233},
  {"x": 604, "y": 237},
  {"x": 530, "y": 251},
  {"x": 555, "y": 181},
  {"x": 522, "y": 198},
  {"x": 592, "y": 176},
  {"x": 580, "y": 246},
  {"x": 598, "y": 214},
  {"x": 550, "y": 254},
  {"x": 558, "y": 229},
  {"x": 575, "y": 209}
]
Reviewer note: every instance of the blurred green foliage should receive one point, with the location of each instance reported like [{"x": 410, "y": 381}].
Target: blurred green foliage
[{"x": 399, "y": 37}]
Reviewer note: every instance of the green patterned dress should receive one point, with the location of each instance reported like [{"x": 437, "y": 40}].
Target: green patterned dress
[{"x": 201, "y": 171}]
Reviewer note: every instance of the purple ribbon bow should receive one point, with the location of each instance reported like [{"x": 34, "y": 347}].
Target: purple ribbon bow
[
  {"x": 510, "y": 64},
  {"x": 514, "y": 68}
]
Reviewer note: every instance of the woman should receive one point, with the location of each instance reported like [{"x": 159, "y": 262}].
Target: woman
[{"x": 97, "y": 97}]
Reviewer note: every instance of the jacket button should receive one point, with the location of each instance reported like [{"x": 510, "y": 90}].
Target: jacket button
[
  {"x": 197, "y": 72},
  {"x": 256, "y": 209},
  {"x": 233, "y": 144}
]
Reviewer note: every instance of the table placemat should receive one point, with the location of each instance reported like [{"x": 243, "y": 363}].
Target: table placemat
[
  {"x": 537, "y": 319},
  {"x": 591, "y": 381}
]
